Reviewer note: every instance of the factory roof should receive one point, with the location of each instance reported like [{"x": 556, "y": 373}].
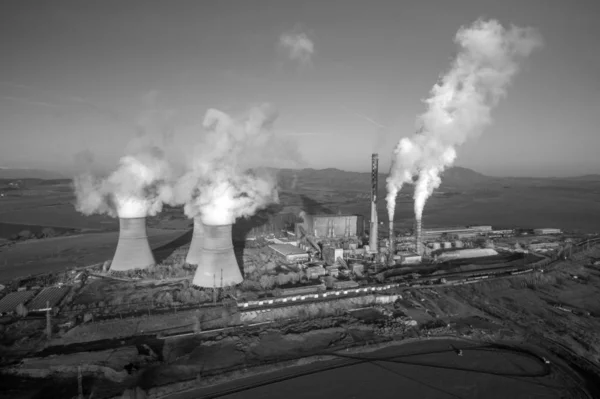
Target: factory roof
[
  {"x": 49, "y": 295},
  {"x": 408, "y": 254},
  {"x": 432, "y": 229},
  {"x": 331, "y": 215},
  {"x": 287, "y": 249},
  {"x": 12, "y": 300}
]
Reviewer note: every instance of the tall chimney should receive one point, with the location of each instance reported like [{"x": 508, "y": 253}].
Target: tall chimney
[
  {"x": 391, "y": 227},
  {"x": 217, "y": 259},
  {"x": 418, "y": 236},
  {"x": 195, "y": 251},
  {"x": 373, "y": 239},
  {"x": 133, "y": 250}
]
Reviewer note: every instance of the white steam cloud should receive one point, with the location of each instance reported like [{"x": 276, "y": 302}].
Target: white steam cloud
[
  {"x": 298, "y": 47},
  {"x": 137, "y": 188},
  {"x": 459, "y": 106},
  {"x": 220, "y": 186}
]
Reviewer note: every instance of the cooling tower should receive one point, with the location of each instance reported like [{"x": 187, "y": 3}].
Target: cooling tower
[
  {"x": 193, "y": 255},
  {"x": 418, "y": 236},
  {"x": 373, "y": 239},
  {"x": 217, "y": 266},
  {"x": 133, "y": 250}
]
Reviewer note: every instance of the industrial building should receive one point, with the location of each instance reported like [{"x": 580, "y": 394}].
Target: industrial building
[
  {"x": 543, "y": 245},
  {"x": 340, "y": 285},
  {"x": 308, "y": 289},
  {"x": 467, "y": 253},
  {"x": 290, "y": 241},
  {"x": 459, "y": 231},
  {"x": 331, "y": 226},
  {"x": 547, "y": 231},
  {"x": 480, "y": 228},
  {"x": 314, "y": 272},
  {"x": 502, "y": 233},
  {"x": 330, "y": 254},
  {"x": 410, "y": 258},
  {"x": 263, "y": 224},
  {"x": 289, "y": 253}
]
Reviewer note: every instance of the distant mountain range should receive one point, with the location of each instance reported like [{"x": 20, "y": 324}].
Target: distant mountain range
[{"x": 453, "y": 178}]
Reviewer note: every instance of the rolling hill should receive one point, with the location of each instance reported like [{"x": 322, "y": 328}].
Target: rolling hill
[{"x": 12, "y": 173}]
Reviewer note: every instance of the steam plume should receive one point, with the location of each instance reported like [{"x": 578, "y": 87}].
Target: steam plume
[
  {"x": 298, "y": 46},
  {"x": 137, "y": 188},
  {"x": 459, "y": 106},
  {"x": 221, "y": 186}
]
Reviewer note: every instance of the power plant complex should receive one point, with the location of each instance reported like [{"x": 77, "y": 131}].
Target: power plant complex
[{"x": 334, "y": 239}]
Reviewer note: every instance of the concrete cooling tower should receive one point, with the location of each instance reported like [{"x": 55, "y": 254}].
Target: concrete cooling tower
[
  {"x": 217, "y": 266},
  {"x": 195, "y": 251},
  {"x": 133, "y": 250}
]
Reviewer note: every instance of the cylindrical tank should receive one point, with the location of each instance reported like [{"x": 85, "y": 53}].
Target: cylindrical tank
[
  {"x": 458, "y": 244},
  {"x": 195, "y": 251},
  {"x": 435, "y": 245},
  {"x": 218, "y": 266},
  {"x": 133, "y": 250},
  {"x": 447, "y": 245}
]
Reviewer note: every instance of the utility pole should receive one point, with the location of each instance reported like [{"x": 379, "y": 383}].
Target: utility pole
[
  {"x": 48, "y": 321},
  {"x": 79, "y": 383},
  {"x": 214, "y": 289}
]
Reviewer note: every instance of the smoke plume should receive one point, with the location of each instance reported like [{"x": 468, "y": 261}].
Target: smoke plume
[
  {"x": 459, "y": 106},
  {"x": 137, "y": 188},
  {"x": 298, "y": 46},
  {"x": 223, "y": 182}
]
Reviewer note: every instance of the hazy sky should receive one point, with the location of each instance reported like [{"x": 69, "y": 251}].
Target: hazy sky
[{"x": 79, "y": 75}]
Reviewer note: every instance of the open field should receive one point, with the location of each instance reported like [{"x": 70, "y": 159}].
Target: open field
[
  {"x": 52, "y": 212},
  {"x": 428, "y": 369},
  {"x": 60, "y": 253}
]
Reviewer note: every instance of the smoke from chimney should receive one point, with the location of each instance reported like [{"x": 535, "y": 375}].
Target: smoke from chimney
[{"x": 459, "y": 106}]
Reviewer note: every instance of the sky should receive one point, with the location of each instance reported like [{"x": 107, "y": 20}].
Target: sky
[{"x": 89, "y": 76}]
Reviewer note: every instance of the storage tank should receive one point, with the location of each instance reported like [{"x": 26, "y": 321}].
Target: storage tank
[
  {"x": 195, "y": 251},
  {"x": 447, "y": 245},
  {"x": 133, "y": 250},
  {"x": 435, "y": 245},
  {"x": 458, "y": 244},
  {"x": 217, "y": 266}
]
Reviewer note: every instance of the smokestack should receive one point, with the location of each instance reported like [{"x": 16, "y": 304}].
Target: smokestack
[
  {"x": 133, "y": 250},
  {"x": 391, "y": 227},
  {"x": 194, "y": 253},
  {"x": 418, "y": 236},
  {"x": 373, "y": 239},
  {"x": 217, "y": 259}
]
